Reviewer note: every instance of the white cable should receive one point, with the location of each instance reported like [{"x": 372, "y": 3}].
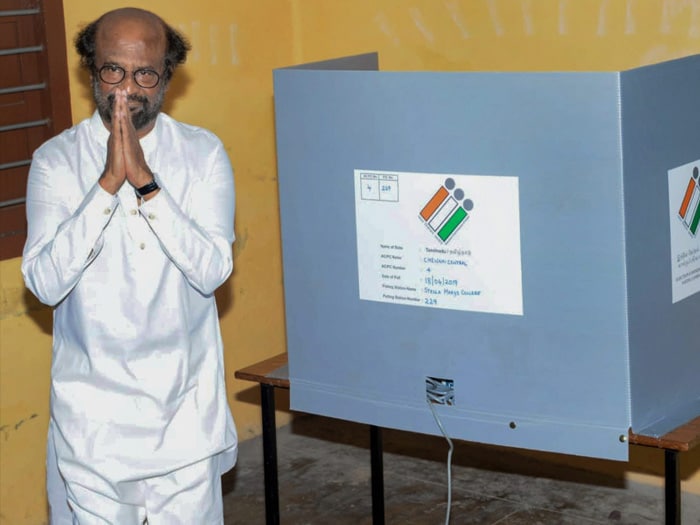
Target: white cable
[{"x": 449, "y": 461}]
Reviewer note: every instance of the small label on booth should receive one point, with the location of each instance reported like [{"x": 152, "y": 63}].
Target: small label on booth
[
  {"x": 684, "y": 205},
  {"x": 439, "y": 241}
]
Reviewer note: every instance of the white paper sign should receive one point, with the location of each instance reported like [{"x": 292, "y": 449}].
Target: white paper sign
[
  {"x": 439, "y": 241},
  {"x": 684, "y": 206}
]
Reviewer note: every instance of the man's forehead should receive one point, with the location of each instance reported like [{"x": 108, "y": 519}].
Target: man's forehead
[{"x": 139, "y": 38}]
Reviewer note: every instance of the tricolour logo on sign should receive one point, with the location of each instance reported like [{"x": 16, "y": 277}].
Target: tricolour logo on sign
[
  {"x": 446, "y": 211},
  {"x": 689, "y": 211}
]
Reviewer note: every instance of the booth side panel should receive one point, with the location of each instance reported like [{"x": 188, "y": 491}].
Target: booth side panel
[
  {"x": 661, "y": 141},
  {"x": 552, "y": 376}
]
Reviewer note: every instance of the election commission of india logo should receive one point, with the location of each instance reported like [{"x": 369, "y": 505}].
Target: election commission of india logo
[
  {"x": 446, "y": 211},
  {"x": 689, "y": 211}
]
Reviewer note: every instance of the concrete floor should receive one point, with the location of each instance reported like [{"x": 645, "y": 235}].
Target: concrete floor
[{"x": 324, "y": 479}]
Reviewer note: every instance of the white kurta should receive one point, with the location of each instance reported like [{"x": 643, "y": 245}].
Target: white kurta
[{"x": 137, "y": 374}]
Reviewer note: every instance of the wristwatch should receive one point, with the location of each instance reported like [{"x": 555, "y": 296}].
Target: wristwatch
[{"x": 148, "y": 188}]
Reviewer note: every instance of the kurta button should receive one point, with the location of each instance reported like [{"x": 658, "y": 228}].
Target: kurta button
[
  {"x": 107, "y": 211},
  {"x": 142, "y": 245},
  {"x": 133, "y": 212},
  {"x": 151, "y": 216}
]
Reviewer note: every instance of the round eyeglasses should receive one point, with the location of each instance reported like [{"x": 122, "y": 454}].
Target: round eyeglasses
[{"x": 111, "y": 74}]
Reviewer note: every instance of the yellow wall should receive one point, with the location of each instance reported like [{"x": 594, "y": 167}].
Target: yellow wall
[{"x": 226, "y": 86}]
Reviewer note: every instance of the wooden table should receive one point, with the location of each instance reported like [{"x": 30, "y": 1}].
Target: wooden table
[
  {"x": 274, "y": 373},
  {"x": 271, "y": 373},
  {"x": 681, "y": 439}
]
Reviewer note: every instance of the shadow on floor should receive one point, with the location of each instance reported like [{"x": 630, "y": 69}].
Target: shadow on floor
[{"x": 324, "y": 478}]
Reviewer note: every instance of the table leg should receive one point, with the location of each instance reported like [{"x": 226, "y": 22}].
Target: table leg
[
  {"x": 267, "y": 403},
  {"x": 673, "y": 488},
  {"x": 375, "y": 437}
]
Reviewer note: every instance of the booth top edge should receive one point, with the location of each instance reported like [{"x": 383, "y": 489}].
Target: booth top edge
[{"x": 369, "y": 62}]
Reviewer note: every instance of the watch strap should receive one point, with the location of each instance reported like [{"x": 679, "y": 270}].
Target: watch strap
[{"x": 148, "y": 188}]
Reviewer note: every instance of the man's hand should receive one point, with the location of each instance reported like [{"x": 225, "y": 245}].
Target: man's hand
[
  {"x": 114, "y": 174},
  {"x": 137, "y": 171},
  {"x": 125, "y": 160}
]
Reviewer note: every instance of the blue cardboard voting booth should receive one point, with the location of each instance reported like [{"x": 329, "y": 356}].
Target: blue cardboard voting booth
[{"x": 518, "y": 249}]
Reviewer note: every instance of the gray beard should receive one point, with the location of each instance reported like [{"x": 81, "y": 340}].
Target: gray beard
[{"x": 141, "y": 118}]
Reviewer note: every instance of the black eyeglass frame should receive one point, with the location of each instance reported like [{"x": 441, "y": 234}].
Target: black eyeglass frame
[{"x": 114, "y": 67}]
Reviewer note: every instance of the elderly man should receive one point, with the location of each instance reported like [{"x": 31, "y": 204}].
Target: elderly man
[{"x": 130, "y": 217}]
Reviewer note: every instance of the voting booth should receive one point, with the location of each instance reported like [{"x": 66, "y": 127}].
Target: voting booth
[{"x": 518, "y": 251}]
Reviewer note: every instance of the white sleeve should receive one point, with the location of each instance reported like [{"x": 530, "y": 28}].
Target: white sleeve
[
  {"x": 198, "y": 242},
  {"x": 61, "y": 241}
]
